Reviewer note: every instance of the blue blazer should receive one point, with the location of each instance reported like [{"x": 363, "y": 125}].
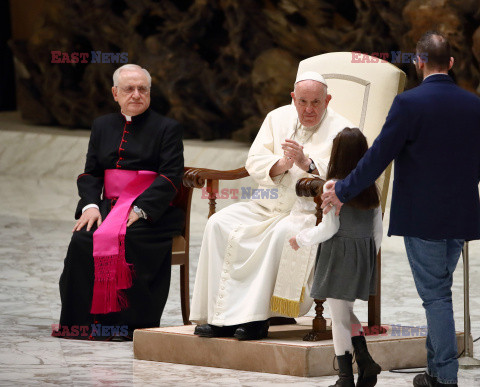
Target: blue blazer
[{"x": 433, "y": 134}]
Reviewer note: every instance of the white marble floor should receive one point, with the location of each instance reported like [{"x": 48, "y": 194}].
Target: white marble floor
[{"x": 35, "y": 222}]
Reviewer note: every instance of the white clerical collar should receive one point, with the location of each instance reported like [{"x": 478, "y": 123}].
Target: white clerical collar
[{"x": 127, "y": 118}]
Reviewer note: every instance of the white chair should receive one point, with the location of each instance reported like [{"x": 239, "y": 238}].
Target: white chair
[{"x": 363, "y": 93}]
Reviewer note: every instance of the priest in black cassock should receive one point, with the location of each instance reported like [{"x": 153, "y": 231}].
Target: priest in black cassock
[{"x": 116, "y": 274}]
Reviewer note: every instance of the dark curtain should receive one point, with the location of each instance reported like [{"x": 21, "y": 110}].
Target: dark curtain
[{"x": 7, "y": 75}]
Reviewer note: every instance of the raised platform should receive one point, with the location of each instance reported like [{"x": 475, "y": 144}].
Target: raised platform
[{"x": 283, "y": 352}]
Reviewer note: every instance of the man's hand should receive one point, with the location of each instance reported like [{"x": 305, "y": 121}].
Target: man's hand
[
  {"x": 294, "y": 151},
  {"x": 132, "y": 217},
  {"x": 282, "y": 165},
  {"x": 294, "y": 244},
  {"x": 330, "y": 199},
  {"x": 89, "y": 217}
]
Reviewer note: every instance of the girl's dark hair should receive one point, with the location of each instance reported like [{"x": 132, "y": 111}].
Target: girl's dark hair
[{"x": 348, "y": 148}]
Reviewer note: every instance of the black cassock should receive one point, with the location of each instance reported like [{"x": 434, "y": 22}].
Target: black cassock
[{"x": 149, "y": 142}]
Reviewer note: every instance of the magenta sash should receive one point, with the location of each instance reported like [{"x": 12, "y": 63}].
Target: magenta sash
[{"x": 112, "y": 272}]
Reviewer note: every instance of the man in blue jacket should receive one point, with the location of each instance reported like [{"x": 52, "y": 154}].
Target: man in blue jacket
[{"x": 433, "y": 134}]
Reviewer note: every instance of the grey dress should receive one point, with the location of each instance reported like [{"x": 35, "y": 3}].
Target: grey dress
[{"x": 346, "y": 264}]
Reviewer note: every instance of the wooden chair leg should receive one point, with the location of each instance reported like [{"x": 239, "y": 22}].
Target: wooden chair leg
[
  {"x": 319, "y": 329},
  {"x": 374, "y": 302},
  {"x": 185, "y": 293}
]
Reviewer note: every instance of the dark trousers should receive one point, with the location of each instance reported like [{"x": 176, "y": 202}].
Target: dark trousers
[{"x": 433, "y": 263}]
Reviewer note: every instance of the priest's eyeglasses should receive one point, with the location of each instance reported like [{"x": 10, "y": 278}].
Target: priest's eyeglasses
[{"x": 131, "y": 89}]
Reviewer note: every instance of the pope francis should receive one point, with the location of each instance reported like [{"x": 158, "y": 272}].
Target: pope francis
[{"x": 238, "y": 267}]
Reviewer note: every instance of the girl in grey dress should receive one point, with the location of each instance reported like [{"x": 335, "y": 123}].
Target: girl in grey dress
[{"x": 346, "y": 260}]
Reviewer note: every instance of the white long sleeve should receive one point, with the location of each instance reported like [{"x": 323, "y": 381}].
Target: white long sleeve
[
  {"x": 378, "y": 227},
  {"x": 318, "y": 234},
  {"x": 89, "y": 206},
  {"x": 263, "y": 154}
]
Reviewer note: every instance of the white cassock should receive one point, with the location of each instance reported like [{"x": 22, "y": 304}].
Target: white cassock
[{"x": 242, "y": 243}]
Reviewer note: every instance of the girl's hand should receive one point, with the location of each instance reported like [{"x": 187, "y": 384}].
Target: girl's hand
[{"x": 294, "y": 244}]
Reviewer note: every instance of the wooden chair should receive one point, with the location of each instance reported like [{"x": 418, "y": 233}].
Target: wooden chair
[
  {"x": 181, "y": 248},
  {"x": 363, "y": 93}
]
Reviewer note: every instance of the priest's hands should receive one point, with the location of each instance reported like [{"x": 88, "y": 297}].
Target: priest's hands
[
  {"x": 132, "y": 217},
  {"x": 92, "y": 216},
  {"x": 89, "y": 218},
  {"x": 293, "y": 154},
  {"x": 330, "y": 199},
  {"x": 294, "y": 151},
  {"x": 293, "y": 243},
  {"x": 281, "y": 166}
]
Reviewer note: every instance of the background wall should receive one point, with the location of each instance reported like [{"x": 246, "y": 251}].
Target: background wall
[
  {"x": 7, "y": 84},
  {"x": 218, "y": 66},
  {"x": 25, "y": 17}
]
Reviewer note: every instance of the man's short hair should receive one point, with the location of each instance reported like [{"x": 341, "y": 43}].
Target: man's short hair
[
  {"x": 437, "y": 49},
  {"x": 130, "y": 66}
]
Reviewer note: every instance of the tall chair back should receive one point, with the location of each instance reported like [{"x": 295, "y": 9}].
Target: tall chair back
[{"x": 362, "y": 88}]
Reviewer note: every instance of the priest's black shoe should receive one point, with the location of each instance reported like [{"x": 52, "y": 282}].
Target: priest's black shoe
[
  {"x": 255, "y": 330},
  {"x": 424, "y": 380},
  {"x": 208, "y": 330},
  {"x": 345, "y": 371}
]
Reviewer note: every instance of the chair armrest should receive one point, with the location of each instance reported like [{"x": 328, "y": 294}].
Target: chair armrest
[
  {"x": 312, "y": 187},
  {"x": 195, "y": 177}
]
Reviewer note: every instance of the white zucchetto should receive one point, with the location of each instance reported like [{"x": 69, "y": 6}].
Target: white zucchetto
[{"x": 311, "y": 75}]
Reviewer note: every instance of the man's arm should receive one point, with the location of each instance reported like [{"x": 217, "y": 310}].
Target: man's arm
[
  {"x": 386, "y": 147},
  {"x": 90, "y": 182},
  {"x": 90, "y": 185},
  {"x": 156, "y": 198}
]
